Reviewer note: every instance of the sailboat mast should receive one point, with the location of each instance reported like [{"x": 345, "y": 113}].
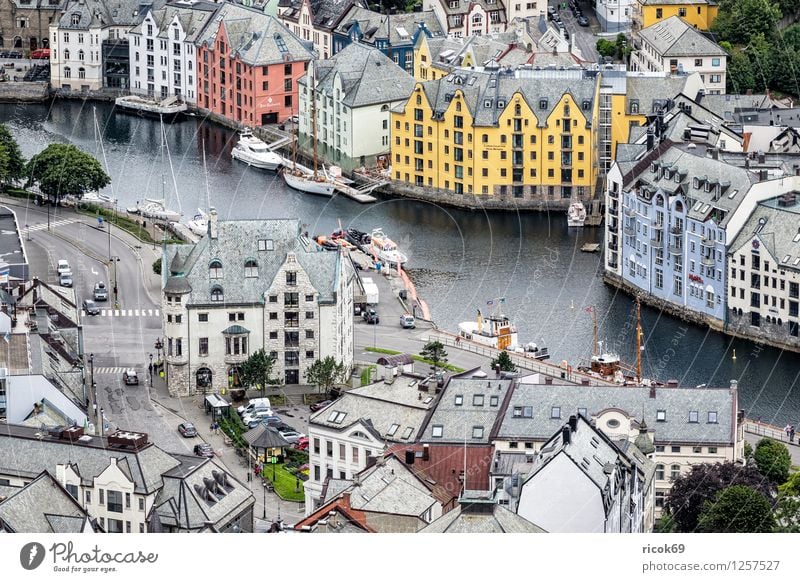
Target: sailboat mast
[
  {"x": 594, "y": 318},
  {"x": 161, "y": 126},
  {"x": 314, "y": 113},
  {"x": 638, "y": 341},
  {"x": 205, "y": 175}
]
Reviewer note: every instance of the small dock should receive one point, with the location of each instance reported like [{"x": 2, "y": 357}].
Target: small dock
[
  {"x": 590, "y": 247},
  {"x": 358, "y": 189},
  {"x": 594, "y": 214}
]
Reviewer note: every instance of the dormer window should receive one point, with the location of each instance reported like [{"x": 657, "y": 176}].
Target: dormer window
[
  {"x": 217, "y": 295},
  {"x": 266, "y": 244},
  {"x": 542, "y": 104},
  {"x": 250, "y": 268},
  {"x": 501, "y": 104},
  {"x": 696, "y": 182},
  {"x": 215, "y": 269},
  {"x": 587, "y": 105},
  {"x": 661, "y": 416},
  {"x": 707, "y": 187},
  {"x": 75, "y": 19}
]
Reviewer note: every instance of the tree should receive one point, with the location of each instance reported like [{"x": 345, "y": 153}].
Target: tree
[
  {"x": 740, "y": 20},
  {"x": 773, "y": 460},
  {"x": 435, "y": 352},
  {"x": 257, "y": 369},
  {"x": 737, "y": 509},
  {"x": 740, "y": 77},
  {"x": 64, "y": 170},
  {"x": 787, "y": 512},
  {"x": 691, "y": 490},
  {"x": 606, "y": 48},
  {"x": 327, "y": 373},
  {"x": 14, "y": 166},
  {"x": 506, "y": 365}
]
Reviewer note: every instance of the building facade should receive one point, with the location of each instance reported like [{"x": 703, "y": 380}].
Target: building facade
[
  {"x": 672, "y": 45},
  {"x": 479, "y": 17},
  {"x": 162, "y": 51},
  {"x": 499, "y": 134},
  {"x": 699, "y": 13},
  {"x": 614, "y": 15},
  {"x": 248, "y": 65},
  {"x": 355, "y": 92},
  {"x": 251, "y": 285},
  {"x": 25, "y": 24},
  {"x": 315, "y": 20}
]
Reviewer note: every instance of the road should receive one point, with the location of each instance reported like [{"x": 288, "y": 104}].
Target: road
[{"x": 582, "y": 37}]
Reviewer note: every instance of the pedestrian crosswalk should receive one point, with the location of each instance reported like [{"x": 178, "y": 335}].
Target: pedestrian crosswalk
[
  {"x": 53, "y": 224},
  {"x": 127, "y": 313},
  {"x": 110, "y": 370}
]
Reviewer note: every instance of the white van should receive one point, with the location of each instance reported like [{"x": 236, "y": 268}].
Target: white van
[
  {"x": 62, "y": 267},
  {"x": 261, "y": 403}
]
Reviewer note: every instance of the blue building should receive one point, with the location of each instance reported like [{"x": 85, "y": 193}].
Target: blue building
[{"x": 393, "y": 34}]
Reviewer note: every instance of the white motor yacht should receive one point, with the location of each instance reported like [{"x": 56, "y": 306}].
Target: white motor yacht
[
  {"x": 576, "y": 215},
  {"x": 255, "y": 152}
]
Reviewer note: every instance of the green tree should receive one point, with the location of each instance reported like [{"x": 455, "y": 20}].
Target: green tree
[
  {"x": 773, "y": 460},
  {"x": 257, "y": 369},
  {"x": 691, "y": 490},
  {"x": 64, "y": 170},
  {"x": 787, "y": 512},
  {"x": 740, "y": 20},
  {"x": 737, "y": 509},
  {"x": 740, "y": 75},
  {"x": 506, "y": 365},
  {"x": 606, "y": 48},
  {"x": 325, "y": 374},
  {"x": 791, "y": 487},
  {"x": 157, "y": 266},
  {"x": 435, "y": 352},
  {"x": 14, "y": 166}
]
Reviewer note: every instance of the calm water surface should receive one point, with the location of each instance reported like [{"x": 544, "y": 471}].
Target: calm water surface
[{"x": 458, "y": 260}]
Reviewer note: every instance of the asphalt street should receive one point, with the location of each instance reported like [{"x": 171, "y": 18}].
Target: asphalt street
[{"x": 581, "y": 36}]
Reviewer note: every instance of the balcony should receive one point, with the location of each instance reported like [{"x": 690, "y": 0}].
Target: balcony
[
  {"x": 708, "y": 261},
  {"x": 676, "y": 230},
  {"x": 658, "y": 226},
  {"x": 630, "y": 212},
  {"x": 656, "y": 241},
  {"x": 613, "y": 264},
  {"x": 675, "y": 250},
  {"x": 613, "y": 227},
  {"x": 707, "y": 242},
  {"x": 613, "y": 195},
  {"x": 629, "y": 230}
]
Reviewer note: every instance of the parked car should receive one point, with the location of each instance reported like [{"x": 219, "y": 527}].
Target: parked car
[
  {"x": 583, "y": 21},
  {"x": 187, "y": 429},
  {"x": 371, "y": 316},
  {"x": 267, "y": 420},
  {"x": 100, "y": 291},
  {"x": 62, "y": 266},
  {"x": 90, "y": 307},
  {"x": 130, "y": 377},
  {"x": 282, "y": 427},
  {"x": 258, "y": 416},
  {"x": 203, "y": 450},
  {"x": 65, "y": 279},
  {"x": 40, "y": 54},
  {"x": 301, "y": 444},
  {"x": 407, "y": 321},
  {"x": 291, "y": 436},
  {"x": 253, "y": 404},
  {"x": 319, "y": 405}
]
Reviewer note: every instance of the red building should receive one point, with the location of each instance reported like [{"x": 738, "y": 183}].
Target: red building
[{"x": 248, "y": 65}]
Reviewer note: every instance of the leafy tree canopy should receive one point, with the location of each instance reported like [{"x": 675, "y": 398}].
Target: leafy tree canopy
[
  {"x": 506, "y": 365},
  {"x": 737, "y": 509},
  {"x": 13, "y": 167},
  {"x": 773, "y": 460},
  {"x": 64, "y": 170}
]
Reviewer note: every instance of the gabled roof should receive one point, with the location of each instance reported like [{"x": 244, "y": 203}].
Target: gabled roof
[
  {"x": 192, "y": 19},
  {"x": 674, "y": 37},
  {"x": 42, "y": 506},
  {"x": 325, "y": 14},
  {"x": 494, "y": 519},
  {"x": 397, "y": 29},
  {"x": 776, "y": 224}
]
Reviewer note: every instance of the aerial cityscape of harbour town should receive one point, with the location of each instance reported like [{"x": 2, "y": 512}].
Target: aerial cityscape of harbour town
[{"x": 303, "y": 266}]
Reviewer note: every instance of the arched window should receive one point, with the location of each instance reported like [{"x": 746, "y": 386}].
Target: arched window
[
  {"x": 17, "y": 42},
  {"x": 659, "y": 472},
  {"x": 217, "y": 294},
  {"x": 215, "y": 269},
  {"x": 203, "y": 377},
  {"x": 477, "y": 19},
  {"x": 67, "y": 72},
  {"x": 250, "y": 268},
  {"x": 80, "y": 55},
  {"x": 517, "y": 109},
  {"x": 81, "y": 73},
  {"x": 678, "y": 206},
  {"x": 675, "y": 471},
  {"x": 66, "y": 54}
]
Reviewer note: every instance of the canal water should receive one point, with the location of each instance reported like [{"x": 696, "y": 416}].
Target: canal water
[{"x": 459, "y": 260}]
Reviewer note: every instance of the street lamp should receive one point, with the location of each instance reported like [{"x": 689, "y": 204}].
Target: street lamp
[
  {"x": 115, "y": 260},
  {"x": 265, "y": 490},
  {"x": 151, "y": 369},
  {"x": 158, "y": 346}
]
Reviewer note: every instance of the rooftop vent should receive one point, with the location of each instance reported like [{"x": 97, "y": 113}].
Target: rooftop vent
[
  {"x": 127, "y": 439},
  {"x": 788, "y": 199}
]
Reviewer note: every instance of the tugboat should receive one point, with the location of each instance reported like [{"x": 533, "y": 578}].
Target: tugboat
[
  {"x": 576, "y": 215},
  {"x": 495, "y": 330}
]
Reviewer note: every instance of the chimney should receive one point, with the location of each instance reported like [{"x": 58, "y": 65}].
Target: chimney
[
  {"x": 762, "y": 157},
  {"x": 548, "y": 380},
  {"x": 651, "y": 138},
  {"x": 652, "y": 390},
  {"x": 212, "y": 223},
  {"x": 573, "y": 423},
  {"x": 714, "y": 153},
  {"x": 763, "y": 175},
  {"x": 565, "y": 435},
  {"x": 426, "y": 452}
]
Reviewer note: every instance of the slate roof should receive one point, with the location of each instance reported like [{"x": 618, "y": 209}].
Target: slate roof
[
  {"x": 467, "y": 519},
  {"x": 237, "y": 241},
  {"x": 184, "y": 503},
  {"x": 257, "y": 38},
  {"x": 24, "y": 454},
  {"x": 674, "y": 37},
  {"x": 376, "y": 26},
  {"x": 778, "y": 229},
  {"x": 444, "y": 466},
  {"x": 481, "y": 405},
  {"x": 265, "y": 437},
  {"x": 381, "y": 406},
  {"x": 635, "y": 401},
  {"x": 42, "y": 506},
  {"x": 653, "y": 92},
  {"x": 489, "y": 87},
  {"x": 325, "y": 14},
  {"x": 94, "y": 13},
  {"x": 368, "y": 76},
  {"x": 192, "y": 20},
  {"x": 452, "y": 52}
]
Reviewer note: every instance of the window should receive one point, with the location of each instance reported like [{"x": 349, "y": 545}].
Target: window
[
  {"x": 203, "y": 347},
  {"x": 698, "y": 62},
  {"x": 712, "y": 417},
  {"x": 693, "y": 416},
  {"x": 459, "y": 400},
  {"x": 309, "y": 315},
  {"x": 215, "y": 269},
  {"x": 494, "y": 400},
  {"x": 659, "y": 448},
  {"x": 115, "y": 501},
  {"x": 715, "y": 62},
  {"x": 392, "y": 430},
  {"x": 477, "y": 432},
  {"x": 291, "y": 278},
  {"x": 660, "y": 497},
  {"x": 141, "y": 504},
  {"x": 659, "y": 472},
  {"x": 712, "y": 450},
  {"x": 88, "y": 496},
  {"x": 555, "y": 412},
  {"x": 310, "y": 297},
  {"x": 661, "y": 416},
  {"x": 437, "y": 431},
  {"x": 675, "y": 449},
  {"x": 217, "y": 296},
  {"x": 477, "y": 400},
  {"x": 675, "y": 471},
  {"x": 310, "y": 354},
  {"x": 273, "y": 298},
  {"x": 659, "y": 12},
  {"x": 697, "y": 450},
  {"x": 250, "y": 268},
  {"x": 329, "y": 448},
  {"x": 73, "y": 490}
]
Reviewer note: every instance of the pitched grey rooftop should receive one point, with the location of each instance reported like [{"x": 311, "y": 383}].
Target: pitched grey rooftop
[
  {"x": 674, "y": 37},
  {"x": 42, "y": 506},
  {"x": 193, "y": 20},
  {"x": 778, "y": 228},
  {"x": 498, "y": 520}
]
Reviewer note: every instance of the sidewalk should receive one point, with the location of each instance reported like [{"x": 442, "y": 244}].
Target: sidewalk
[{"x": 191, "y": 409}]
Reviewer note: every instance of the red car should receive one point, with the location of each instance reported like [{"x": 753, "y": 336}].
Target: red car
[
  {"x": 40, "y": 54},
  {"x": 301, "y": 444}
]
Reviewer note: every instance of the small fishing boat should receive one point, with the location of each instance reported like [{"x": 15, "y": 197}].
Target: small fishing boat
[
  {"x": 495, "y": 330},
  {"x": 385, "y": 249},
  {"x": 255, "y": 152},
  {"x": 151, "y": 208},
  {"x": 357, "y": 237},
  {"x": 576, "y": 214}
]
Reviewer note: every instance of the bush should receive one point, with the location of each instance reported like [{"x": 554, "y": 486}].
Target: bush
[
  {"x": 157, "y": 266},
  {"x": 773, "y": 460}
]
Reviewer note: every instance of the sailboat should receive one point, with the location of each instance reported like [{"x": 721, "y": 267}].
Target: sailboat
[
  {"x": 97, "y": 196},
  {"x": 156, "y": 208},
  {"x": 316, "y": 182},
  {"x": 199, "y": 222}
]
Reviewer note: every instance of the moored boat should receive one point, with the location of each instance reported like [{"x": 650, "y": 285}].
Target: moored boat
[
  {"x": 255, "y": 152},
  {"x": 313, "y": 184},
  {"x": 576, "y": 214},
  {"x": 168, "y": 108},
  {"x": 495, "y": 330},
  {"x": 199, "y": 223},
  {"x": 385, "y": 249},
  {"x": 155, "y": 209}
]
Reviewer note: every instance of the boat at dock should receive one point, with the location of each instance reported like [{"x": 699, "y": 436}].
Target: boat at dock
[
  {"x": 495, "y": 330},
  {"x": 151, "y": 208},
  {"x": 576, "y": 214},
  {"x": 168, "y": 108},
  {"x": 255, "y": 152},
  {"x": 199, "y": 223},
  {"x": 385, "y": 249}
]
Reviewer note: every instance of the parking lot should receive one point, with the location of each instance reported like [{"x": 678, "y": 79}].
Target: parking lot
[{"x": 581, "y": 36}]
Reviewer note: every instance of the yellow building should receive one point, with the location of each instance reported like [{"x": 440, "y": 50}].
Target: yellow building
[
  {"x": 699, "y": 13},
  {"x": 507, "y": 135}
]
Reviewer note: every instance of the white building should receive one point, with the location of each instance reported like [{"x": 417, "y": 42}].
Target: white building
[
  {"x": 88, "y": 44},
  {"x": 582, "y": 482},
  {"x": 614, "y": 15},
  {"x": 479, "y": 17},
  {"x": 251, "y": 285},
  {"x": 162, "y": 50},
  {"x": 359, "y": 425},
  {"x": 675, "y": 46},
  {"x": 355, "y": 93},
  {"x": 126, "y": 483},
  {"x": 315, "y": 20}
]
